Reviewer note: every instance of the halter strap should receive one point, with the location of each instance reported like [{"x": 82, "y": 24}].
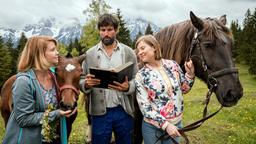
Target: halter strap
[
  {"x": 222, "y": 72},
  {"x": 68, "y": 86}
]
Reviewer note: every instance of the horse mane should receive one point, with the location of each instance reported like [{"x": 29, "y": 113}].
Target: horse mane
[
  {"x": 213, "y": 29},
  {"x": 175, "y": 40}
]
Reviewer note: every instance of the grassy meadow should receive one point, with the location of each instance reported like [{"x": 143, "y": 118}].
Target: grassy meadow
[{"x": 233, "y": 125}]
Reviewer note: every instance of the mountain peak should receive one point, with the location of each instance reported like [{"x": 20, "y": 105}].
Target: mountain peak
[
  {"x": 67, "y": 32},
  {"x": 47, "y": 22}
]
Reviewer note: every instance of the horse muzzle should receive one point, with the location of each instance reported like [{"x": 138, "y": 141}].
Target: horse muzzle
[
  {"x": 66, "y": 107},
  {"x": 228, "y": 95}
]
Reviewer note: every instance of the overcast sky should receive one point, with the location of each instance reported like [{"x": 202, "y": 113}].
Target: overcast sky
[{"x": 17, "y": 13}]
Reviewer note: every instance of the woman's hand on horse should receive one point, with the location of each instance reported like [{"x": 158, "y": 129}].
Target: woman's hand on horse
[
  {"x": 68, "y": 113},
  {"x": 189, "y": 67},
  {"x": 120, "y": 86},
  {"x": 91, "y": 81},
  {"x": 172, "y": 130}
]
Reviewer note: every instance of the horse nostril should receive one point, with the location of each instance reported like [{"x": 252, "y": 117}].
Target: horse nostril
[
  {"x": 68, "y": 107},
  {"x": 61, "y": 104},
  {"x": 230, "y": 97},
  {"x": 75, "y": 104}
]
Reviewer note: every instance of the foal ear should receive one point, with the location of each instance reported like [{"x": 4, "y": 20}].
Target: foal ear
[
  {"x": 223, "y": 19},
  {"x": 60, "y": 58},
  {"x": 81, "y": 58},
  {"x": 197, "y": 22}
]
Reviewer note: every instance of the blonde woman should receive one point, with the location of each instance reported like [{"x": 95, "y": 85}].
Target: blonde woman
[
  {"x": 160, "y": 84},
  {"x": 33, "y": 91}
]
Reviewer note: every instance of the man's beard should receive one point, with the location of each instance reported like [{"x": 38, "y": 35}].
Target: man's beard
[{"x": 108, "y": 40}]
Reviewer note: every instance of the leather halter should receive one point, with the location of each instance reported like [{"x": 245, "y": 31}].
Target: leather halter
[
  {"x": 211, "y": 75},
  {"x": 62, "y": 88},
  {"x": 212, "y": 83},
  {"x": 68, "y": 86}
]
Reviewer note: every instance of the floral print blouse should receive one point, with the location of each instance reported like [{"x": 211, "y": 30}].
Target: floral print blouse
[{"x": 159, "y": 93}]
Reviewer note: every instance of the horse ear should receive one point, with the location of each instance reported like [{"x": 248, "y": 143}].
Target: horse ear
[
  {"x": 60, "y": 58},
  {"x": 223, "y": 19},
  {"x": 197, "y": 22},
  {"x": 81, "y": 58}
]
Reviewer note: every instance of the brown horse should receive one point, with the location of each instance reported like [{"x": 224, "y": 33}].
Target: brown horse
[{"x": 68, "y": 73}]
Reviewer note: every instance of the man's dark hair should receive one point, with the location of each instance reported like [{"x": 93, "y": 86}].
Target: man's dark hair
[{"x": 107, "y": 20}]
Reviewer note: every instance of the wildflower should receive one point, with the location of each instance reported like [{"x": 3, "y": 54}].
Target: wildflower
[{"x": 48, "y": 131}]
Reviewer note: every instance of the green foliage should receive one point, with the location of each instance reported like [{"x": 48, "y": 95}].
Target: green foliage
[
  {"x": 5, "y": 62},
  {"x": 62, "y": 49},
  {"x": 236, "y": 30},
  {"x": 22, "y": 43},
  {"x": 148, "y": 30},
  {"x": 123, "y": 34},
  {"x": 78, "y": 47},
  {"x": 70, "y": 46},
  {"x": 75, "y": 44},
  {"x": 15, "y": 53},
  {"x": 74, "y": 52},
  {"x": 96, "y": 8},
  {"x": 245, "y": 41},
  {"x": 232, "y": 124},
  {"x": 90, "y": 35}
]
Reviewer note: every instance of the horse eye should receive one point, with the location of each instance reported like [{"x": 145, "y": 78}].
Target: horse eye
[{"x": 208, "y": 44}]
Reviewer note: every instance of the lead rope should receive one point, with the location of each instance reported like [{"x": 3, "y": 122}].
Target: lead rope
[
  {"x": 63, "y": 125},
  {"x": 63, "y": 130},
  {"x": 195, "y": 124}
]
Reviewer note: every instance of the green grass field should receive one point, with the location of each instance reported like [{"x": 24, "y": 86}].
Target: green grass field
[{"x": 234, "y": 125}]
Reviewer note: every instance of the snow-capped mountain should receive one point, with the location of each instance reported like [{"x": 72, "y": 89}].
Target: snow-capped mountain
[
  {"x": 139, "y": 25},
  {"x": 66, "y": 33}
]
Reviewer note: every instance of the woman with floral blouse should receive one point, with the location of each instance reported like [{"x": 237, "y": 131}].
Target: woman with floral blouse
[{"x": 160, "y": 84}]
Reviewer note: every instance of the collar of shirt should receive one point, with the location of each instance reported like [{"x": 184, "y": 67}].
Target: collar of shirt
[
  {"x": 151, "y": 68},
  {"x": 100, "y": 46}
]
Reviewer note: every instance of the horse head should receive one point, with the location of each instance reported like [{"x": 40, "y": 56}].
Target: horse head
[
  {"x": 68, "y": 73},
  {"x": 211, "y": 52}
]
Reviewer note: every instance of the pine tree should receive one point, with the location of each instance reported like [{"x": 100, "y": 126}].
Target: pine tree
[
  {"x": 9, "y": 43},
  {"x": 70, "y": 45},
  {"x": 252, "y": 43},
  {"x": 237, "y": 31},
  {"x": 78, "y": 46},
  {"x": 148, "y": 30},
  {"x": 247, "y": 51},
  {"x": 74, "y": 52},
  {"x": 16, "y": 53},
  {"x": 5, "y": 62},
  {"x": 22, "y": 42},
  {"x": 62, "y": 49},
  {"x": 123, "y": 34}
]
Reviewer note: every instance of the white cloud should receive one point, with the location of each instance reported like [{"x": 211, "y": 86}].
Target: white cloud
[{"x": 17, "y": 13}]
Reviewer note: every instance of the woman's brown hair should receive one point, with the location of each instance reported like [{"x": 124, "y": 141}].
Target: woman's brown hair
[
  {"x": 33, "y": 54},
  {"x": 151, "y": 41}
]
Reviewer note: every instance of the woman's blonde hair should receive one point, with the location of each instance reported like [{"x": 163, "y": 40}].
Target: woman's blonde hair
[
  {"x": 33, "y": 54},
  {"x": 151, "y": 41}
]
